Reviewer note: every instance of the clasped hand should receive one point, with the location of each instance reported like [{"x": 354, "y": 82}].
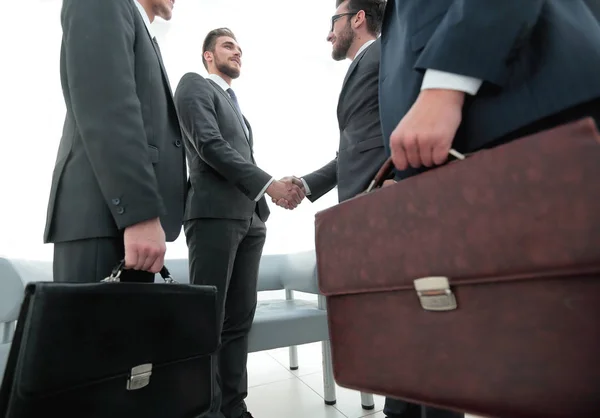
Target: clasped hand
[{"x": 287, "y": 192}]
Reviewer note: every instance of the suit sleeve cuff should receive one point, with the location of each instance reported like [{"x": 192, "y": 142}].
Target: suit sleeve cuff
[
  {"x": 435, "y": 79},
  {"x": 264, "y": 189},
  {"x": 306, "y": 188}
]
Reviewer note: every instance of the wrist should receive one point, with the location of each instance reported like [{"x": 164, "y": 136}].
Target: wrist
[{"x": 450, "y": 97}]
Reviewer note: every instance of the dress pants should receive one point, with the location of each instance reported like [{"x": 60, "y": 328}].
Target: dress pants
[
  {"x": 226, "y": 253},
  {"x": 92, "y": 260}
]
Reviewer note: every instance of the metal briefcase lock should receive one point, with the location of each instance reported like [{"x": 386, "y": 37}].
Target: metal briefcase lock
[
  {"x": 139, "y": 377},
  {"x": 435, "y": 294}
]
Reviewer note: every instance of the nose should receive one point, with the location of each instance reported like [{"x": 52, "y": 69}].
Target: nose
[{"x": 330, "y": 36}]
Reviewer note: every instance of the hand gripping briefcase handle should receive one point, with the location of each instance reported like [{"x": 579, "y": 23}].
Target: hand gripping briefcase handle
[
  {"x": 387, "y": 167},
  {"x": 115, "y": 274}
]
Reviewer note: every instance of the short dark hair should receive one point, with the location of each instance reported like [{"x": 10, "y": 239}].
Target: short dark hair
[
  {"x": 373, "y": 9},
  {"x": 210, "y": 42}
]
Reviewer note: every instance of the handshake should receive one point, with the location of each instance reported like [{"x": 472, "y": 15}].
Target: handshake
[{"x": 287, "y": 192}]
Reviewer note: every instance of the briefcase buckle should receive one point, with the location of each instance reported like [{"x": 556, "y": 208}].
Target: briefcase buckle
[
  {"x": 140, "y": 376},
  {"x": 435, "y": 294}
]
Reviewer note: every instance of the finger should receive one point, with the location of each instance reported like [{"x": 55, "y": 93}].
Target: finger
[
  {"x": 296, "y": 198},
  {"x": 150, "y": 255},
  {"x": 426, "y": 152},
  {"x": 440, "y": 152},
  {"x": 411, "y": 149},
  {"x": 158, "y": 263},
  {"x": 298, "y": 182},
  {"x": 398, "y": 154},
  {"x": 131, "y": 255}
]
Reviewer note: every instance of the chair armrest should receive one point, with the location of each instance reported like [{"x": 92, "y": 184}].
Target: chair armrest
[
  {"x": 11, "y": 292},
  {"x": 300, "y": 272}
]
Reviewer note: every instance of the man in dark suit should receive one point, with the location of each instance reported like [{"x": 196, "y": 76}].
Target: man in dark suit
[
  {"x": 226, "y": 208},
  {"x": 355, "y": 27},
  {"x": 118, "y": 188},
  {"x": 473, "y": 74}
]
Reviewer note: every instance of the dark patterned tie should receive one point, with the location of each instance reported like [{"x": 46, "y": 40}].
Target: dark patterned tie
[
  {"x": 234, "y": 100},
  {"x": 157, "y": 47}
]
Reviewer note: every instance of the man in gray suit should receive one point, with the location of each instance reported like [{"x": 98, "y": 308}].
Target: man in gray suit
[
  {"x": 475, "y": 74},
  {"x": 118, "y": 188},
  {"x": 226, "y": 208},
  {"x": 355, "y": 27}
]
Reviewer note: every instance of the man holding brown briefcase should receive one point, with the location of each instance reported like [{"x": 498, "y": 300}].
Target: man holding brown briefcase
[{"x": 475, "y": 74}]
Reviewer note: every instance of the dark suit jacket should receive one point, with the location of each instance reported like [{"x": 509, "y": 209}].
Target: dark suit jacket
[
  {"x": 361, "y": 151},
  {"x": 120, "y": 159},
  {"x": 223, "y": 173},
  {"x": 535, "y": 57}
]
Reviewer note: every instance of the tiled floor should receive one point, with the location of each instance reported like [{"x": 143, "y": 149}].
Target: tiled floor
[{"x": 277, "y": 392}]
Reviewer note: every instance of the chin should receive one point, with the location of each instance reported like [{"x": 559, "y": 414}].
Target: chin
[{"x": 165, "y": 12}]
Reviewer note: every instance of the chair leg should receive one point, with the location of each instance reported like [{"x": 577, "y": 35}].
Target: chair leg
[
  {"x": 293, "y": 357},
  {"x": 328, "y": 380},
  {"x": 366, "y": 400}
]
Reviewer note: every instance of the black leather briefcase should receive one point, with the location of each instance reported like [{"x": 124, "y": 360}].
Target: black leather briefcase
[{"x": 111, "y": 350}]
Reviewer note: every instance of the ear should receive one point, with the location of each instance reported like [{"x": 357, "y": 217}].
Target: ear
[
  {"x": 208, "y": 56},
  {"x": 359, "y": 19}
]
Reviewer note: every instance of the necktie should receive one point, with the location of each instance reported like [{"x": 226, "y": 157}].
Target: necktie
[
  {"x": 234, "y": 100},
  {"x": 157, "y": 47}
]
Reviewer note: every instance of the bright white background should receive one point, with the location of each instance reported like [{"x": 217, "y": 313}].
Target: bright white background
[{"x": 288, "y": 90}]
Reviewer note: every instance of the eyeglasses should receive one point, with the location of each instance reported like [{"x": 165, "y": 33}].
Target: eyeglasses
[{"x": 335, "y": 18}]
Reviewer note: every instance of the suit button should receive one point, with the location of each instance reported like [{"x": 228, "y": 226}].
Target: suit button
[
  {"x": 177, "y": 143},
  {"x": 120, "y": 210},
  {"x": 116, "y": 201}
]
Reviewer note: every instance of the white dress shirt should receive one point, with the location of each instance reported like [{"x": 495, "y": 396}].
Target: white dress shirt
[
  {"x": 435, "y": 79},
  {"x": 145, "y": 17},
  {"x": 364, "y": 46},
  {"x": 223, "y": 84}
]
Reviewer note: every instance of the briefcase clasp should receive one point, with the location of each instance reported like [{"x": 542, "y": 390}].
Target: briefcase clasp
[
  {"x": 140, "y": 376},
  {"x": 435, "y": 294}
]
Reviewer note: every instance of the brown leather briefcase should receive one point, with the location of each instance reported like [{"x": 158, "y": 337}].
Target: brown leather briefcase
[{"x": 474, "y": 286}]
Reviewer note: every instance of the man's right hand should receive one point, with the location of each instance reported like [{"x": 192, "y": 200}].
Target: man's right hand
[
  {"x": 145, "y": 246},
  {"x": 286, "y": 190}
]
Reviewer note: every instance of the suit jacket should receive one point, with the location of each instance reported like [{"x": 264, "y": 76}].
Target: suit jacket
[
  {"x": 361, "y": 151},
  {"x": 223, "y": 173},
  {"x": 535, "y": 57},
  {"x": 120, "y": 159}
]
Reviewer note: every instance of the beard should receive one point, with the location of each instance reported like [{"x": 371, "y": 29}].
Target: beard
[
  {"x": 343, "y": 43},
  {"x": 228, "y": 69}
]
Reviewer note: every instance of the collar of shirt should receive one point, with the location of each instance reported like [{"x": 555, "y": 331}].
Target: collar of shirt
[
  {"x": 145, "y": 17},
  {"x": 220, "y": 82},
  {"x": 363, "y": 47}
]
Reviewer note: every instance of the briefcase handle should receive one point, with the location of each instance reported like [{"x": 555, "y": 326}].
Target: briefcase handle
[
  {"x": 115, "y": 274},
  {"x": 387, "y": 167}
]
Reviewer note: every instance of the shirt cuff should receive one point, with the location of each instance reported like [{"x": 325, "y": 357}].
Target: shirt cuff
[
  {"x": 306, "y": 188},
  {"x": 264, "y": 189},
  {"x": 435, "y": 79}
]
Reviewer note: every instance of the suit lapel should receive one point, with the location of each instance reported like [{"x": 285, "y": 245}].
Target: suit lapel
[
  {"x": 159, "y": 56},
  {"x": 348, "y": 75},
  {"x": 240, "y": 117},
  {"x": 353, "y": 67},
  {"x": 250, "y": 137},
  {"x": 162, "y": 65}
]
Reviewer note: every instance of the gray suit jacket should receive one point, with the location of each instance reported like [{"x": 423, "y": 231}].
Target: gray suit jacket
[
  {"x": 535, "y": 57},
  {"x": 120, "y": 159},
  {"x": 223, "y": 173},
  {"x": 361, "y": 151}
]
